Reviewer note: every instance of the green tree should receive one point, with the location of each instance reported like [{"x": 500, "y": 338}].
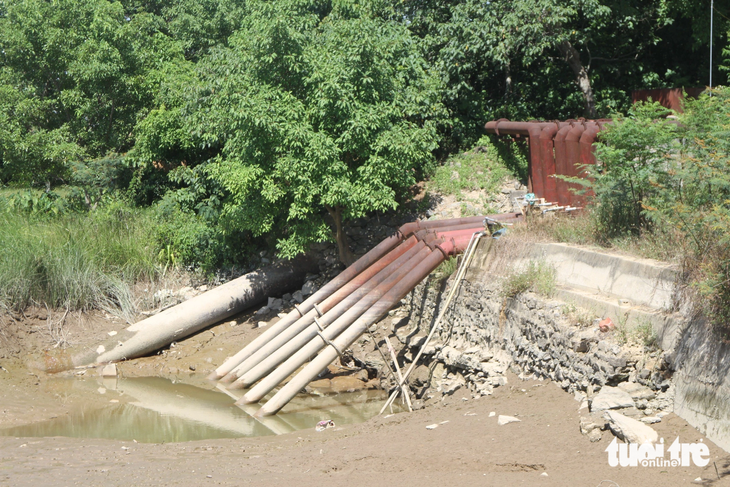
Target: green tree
[
  {"x": 316, "y": 113},
  {"x": 73, "y": 77}
]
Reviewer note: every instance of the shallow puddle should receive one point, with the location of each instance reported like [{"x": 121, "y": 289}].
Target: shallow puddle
[{"x": 156, "y": 410}]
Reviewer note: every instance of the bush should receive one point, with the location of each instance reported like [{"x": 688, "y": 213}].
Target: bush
[
  {"x": 663, "y": 191},
  {"x": 632, "y": 166},
  {"x": 538, "y": 277}
]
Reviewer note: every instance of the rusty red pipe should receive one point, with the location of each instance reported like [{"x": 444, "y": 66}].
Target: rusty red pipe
[
  {"x": 572, "y": 156},
  {"x": 547, "y": 160}
]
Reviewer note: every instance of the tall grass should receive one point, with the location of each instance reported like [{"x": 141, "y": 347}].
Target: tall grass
[
  {"x": 538, "y": 276},
  {"x": 78, "y": 260}
]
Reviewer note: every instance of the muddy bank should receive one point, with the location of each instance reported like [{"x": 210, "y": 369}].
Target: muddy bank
[{"x": 467, "y": 448}]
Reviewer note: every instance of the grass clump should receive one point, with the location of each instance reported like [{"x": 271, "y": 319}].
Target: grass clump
[
  {"x": 78, "y": 260},
  {"x": 482, "y": 168},
  {"x": 444, "y": 271},
  {"x": 538, "y": 277}
]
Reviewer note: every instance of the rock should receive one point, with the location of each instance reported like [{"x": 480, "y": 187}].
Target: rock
[
  {"x": 645, "y": 374},
  {"x": 450, "y": 387},
  {"x": 502, "y": 420},
  {"x": 109, "y": 370},
  {"x": 606, "y": 325},
  {"x": 309, "y": 288},
  {"x": 454, "y": 358},
  {"x": 611, "y": 398},
  {"x": 587, "y": 425},
  {"x": 276, "y": 304},
  {"x": 363, "y": 375},
  {"x": 346, "y": 383},
  {"x": 492, "y": 414},
  {"x": 595, "y": 436},
  {"x": 630, "y": 430},
  {"x": 186, "y": 292},
  {"x": 637, "y": 391},
  {"x": 374, "y": 361},
  {"x": 651, "y": 420},
  {"x": 263, "y": 311},
  {"x": 437, "y": 375},
  {"x": 298, "y": 297},
  {"x": 485, "y": 389},
  {"x": 286, "y": 297},
  {"x": 261, "y": 324},
  {"x": 420, "y": 376}
]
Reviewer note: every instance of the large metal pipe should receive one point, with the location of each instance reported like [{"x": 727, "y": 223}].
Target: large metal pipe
[
  {"x": 561, "y": 164},
  {"x": 336, "y": 297},
  {"x": 340, "y": 280},
  {"x": 269, "y": 352},
  {"x": 572, "y": 156},
  {"x": 532, "y": 130},
  {"x": 413, "y": 227},
  {"x": 199, "y": 312},
  {"x": 307, "y": 343},
  {"x": 547, "y": 158},
  {"x": 275, "y": 353},
  {"x": 372, "y": 315},
  {"x": 587, "y": 156}
]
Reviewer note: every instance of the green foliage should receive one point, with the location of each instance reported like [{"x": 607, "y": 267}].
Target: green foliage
[
  {"x": 314, "y": 118},
  {"x": 632, "y": 166},
  {"x": 538, "y": 277},
  {"x": 644, "y": 334},
  {"x": 77, "y": 261},
  {"x": 97, "y": 178},
  {"x": 479, "y": 169}
]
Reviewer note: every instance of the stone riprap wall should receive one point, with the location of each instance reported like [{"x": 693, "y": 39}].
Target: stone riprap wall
[{"x": 484, "y": 333}]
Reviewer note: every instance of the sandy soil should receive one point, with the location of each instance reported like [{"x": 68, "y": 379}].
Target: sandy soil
[{"x": 467, "y": 447}]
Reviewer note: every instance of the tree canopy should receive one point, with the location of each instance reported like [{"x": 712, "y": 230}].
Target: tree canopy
[{"x": 285, "y": 119}]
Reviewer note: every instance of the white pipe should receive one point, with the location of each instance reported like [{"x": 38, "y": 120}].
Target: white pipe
[
  {"x": 269, "y": 351},
  {"x": 304, "y": 346},
  {"x": 372, "y": 315}
]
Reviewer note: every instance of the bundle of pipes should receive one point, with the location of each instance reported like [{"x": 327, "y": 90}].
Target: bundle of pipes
[
  {"x": 339, "y": 313},
  {"x": 556, "y": 148}
]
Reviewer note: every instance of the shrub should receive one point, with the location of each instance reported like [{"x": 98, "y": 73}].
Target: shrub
[{"x": 538, "y": 277}]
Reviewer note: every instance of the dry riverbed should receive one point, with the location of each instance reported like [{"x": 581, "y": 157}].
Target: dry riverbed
[{"x": 467, "y": 447}]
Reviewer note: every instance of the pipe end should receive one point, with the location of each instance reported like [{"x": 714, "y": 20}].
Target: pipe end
[
  {"x": 263, "y": 412},
  {"x": 213, "y": 376},
  {"x": 236, "y": 385},
  {"x": 244, "y": 401},
  {"x": 228, "y": 378}
]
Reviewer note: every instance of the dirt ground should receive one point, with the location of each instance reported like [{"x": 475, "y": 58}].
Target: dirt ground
[{"x": 466, "y": 448}]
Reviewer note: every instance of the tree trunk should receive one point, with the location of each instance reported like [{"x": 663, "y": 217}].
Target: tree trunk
[
  {"x": 507, "y": 82},
  {"x": 572, "y": 57},
  {"x": 346, "y": 256}
]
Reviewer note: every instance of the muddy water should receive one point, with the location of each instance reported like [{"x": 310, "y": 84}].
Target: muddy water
[{"x": 156, "y": 410}]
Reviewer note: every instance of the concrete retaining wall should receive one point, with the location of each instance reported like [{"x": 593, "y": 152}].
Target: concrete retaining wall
[{"x": 534, "y": 335}]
